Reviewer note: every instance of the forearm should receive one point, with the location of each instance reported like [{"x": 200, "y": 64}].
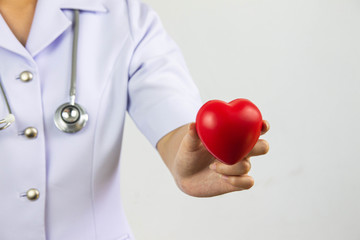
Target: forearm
[{"x": 168, "y": 146}]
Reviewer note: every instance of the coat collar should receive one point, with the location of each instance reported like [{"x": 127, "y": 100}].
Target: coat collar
[
  {"x": 48, "y": 24},
  {"x": 84, "y": 5}
]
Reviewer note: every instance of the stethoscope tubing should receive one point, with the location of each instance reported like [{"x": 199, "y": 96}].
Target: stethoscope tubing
[
  {"x": 74, "y": 57},
  {"x": 63, "y": 118},
  {"x": 5, "y": 97}
]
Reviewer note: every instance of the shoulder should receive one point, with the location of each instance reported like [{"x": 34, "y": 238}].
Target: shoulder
[{"x": 139, "y": 15}]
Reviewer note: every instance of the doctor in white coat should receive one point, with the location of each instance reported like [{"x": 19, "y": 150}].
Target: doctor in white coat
[{"x": 65, "y": 186}]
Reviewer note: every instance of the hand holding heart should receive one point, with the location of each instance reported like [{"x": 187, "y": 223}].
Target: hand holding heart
[{"x": 201, "y": 174}]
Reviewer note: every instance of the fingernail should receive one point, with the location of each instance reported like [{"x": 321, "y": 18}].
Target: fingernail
[
  {"x": 191, "y": 126},
  {"x": 212, "y": 166}
]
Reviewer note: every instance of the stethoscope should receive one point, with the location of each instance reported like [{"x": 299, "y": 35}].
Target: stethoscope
[{"x": 70, "y": 117}]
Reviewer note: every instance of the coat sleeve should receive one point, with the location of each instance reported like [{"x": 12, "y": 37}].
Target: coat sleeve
[{"x": 161, "y": 93}]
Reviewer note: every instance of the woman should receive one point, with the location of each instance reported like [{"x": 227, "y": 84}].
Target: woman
[{"x": 58, "y": 185}]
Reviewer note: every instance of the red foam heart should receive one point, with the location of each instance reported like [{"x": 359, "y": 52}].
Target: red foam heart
[{"x": 229, "y": 130}]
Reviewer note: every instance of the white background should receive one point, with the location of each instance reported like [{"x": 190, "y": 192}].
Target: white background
[{"x": 299, "y": 62}]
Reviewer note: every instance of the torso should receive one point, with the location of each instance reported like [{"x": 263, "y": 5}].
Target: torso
[{"x": 19, "y": 16}]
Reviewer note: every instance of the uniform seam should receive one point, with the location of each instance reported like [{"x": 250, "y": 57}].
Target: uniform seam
[
  {"x": 131, "y": 30},
  {"x": 130, "y": 21},
  {"x": 111, "y": 72}
]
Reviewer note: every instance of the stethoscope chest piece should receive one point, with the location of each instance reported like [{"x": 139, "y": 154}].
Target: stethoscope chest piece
[{"x": 70, "y": 118}]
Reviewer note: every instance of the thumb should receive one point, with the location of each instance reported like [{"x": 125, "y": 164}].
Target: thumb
[{"x": 191, "y": 140}]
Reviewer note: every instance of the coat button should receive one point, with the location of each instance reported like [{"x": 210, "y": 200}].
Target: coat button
[
  {"x": 26, "y": 76},
  {"x": 31, "y": 132},
  {"x": 33, "y": 194}
]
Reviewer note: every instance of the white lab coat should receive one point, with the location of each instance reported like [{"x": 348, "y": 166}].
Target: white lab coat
[{"x": 126, "y": 62}]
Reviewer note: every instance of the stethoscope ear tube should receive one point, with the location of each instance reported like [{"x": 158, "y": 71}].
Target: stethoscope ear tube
[
  {"x": 7, "y": 121},
  {"x": 10, "y": 118}
]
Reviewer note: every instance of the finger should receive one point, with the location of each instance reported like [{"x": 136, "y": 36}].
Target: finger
[
  {"x": 265, "y": 127},
  {"x": 237, "y": 169},
  {"x": 191, "y": 139},
  {"x": 241, "y": 182},
  {"x": 260, "y": 148}
]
